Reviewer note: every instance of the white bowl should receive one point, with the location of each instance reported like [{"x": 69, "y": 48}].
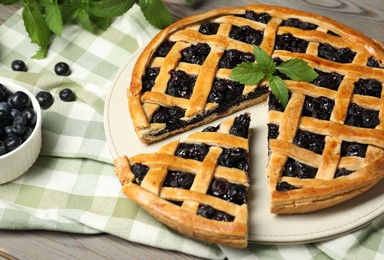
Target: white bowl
[{"x": 18, "y": 161}]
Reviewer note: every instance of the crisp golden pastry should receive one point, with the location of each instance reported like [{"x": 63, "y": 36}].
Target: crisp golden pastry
[{"x": 198, "y": 186}]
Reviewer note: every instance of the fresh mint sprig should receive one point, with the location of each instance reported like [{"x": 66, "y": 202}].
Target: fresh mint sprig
[
  {"x": 264, "y": 69},
  {"x": 43, "y": 19}
]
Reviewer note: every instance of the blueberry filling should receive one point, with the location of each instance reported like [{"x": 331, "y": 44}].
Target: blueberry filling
[
  {"x": 209, "y": 28},
  {"x": 274, "y": 103},
  {"x": 164, "y": 49},
  {"x": 290, "y": 43},
  {"x": 169, "y": 116},
  {"x": 320, "y": 108},
  {"x": 328, "y": 80},
  {"x": 277, "y": 62},
  {"x": 195, "y": 54},
  {"x": 149, "y": 78},
  {"x": 285, "y": 186},
  {"x": 372, "y": 62},
  {"x": 207, "y": 211},
  {"x": 246, "y": 34},
  {"x": 260, "y": 17},
  {"x": 232, "y": 58},
  {"x": 368, "y": 87},
  {"x": 362, "y": 117},
  {"x": 333, "y": 33},
  {"x": 210, "y": 129},
  {"x": 192, "y": 151},
  {"x": 273, "y": 131},
  {"x": 294, "y": 22},
  {"x": 139, "y": 170},
  {"x": 353, "y": 149},
  {"x": 178, "y": 179},
  {"x": 310, "y": 141},
  {"x": 181, "y": 84},
  {"x": 299, "y": 170},
  {"x": 342, "y": 172},
  {"x": 223, "y": 91},
  {"x": 342, "y": 55},
  {"x": 236, "y": 193},
  {"x": 234, "y": 158},
  {"x": 240, "y": 126}
]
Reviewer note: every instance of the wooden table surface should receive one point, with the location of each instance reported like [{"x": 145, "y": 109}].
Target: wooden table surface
[{"x": 365, "y": 16}]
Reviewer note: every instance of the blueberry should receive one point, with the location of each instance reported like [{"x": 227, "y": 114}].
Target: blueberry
[
  {"x": 164, "y": 49},
  {"x": 192, "y": 151},
  {"x": 370, "y": 87},
  {"x": 177, "y": 179},
  {"x": 372, "y": 62},
  {"x": 3, "y": 149},
  {"x": 262, "y": 17},
  {"x": 294, "y": 22},
  {"x": 240, "y": 126},
  {"x": 209, "y": 28},
  {"x": 284, "y": 186},
  {"x": 195, "y": 54},
  {"x": 210, "y": 129},
  {"x": 19, "y": 100},
  {"x": 311, "y": 141},
  {"x": 246, "y": 34},
  {"x": 206, "y": 211},
  {"x": 234, "y": 158},
  {"x": 222, "y": 216},
  {"x": 343, "y": 55},
  {"x": 149, "y": 78},
  {"x": 30, "y": 116},
  {"x": 139, "y": 170},
  {"x": 62, "y": 69},
  {"x": 238, "y": 194},
  {"x": 19, "y": 65},
  {"x": 273, "y": 131},
  {"x": 290, "y": 43},
  {"x": 11, "y": 142},
  {"x": 219, "y": 187},
  {"x": 328, "y": 80},
  {"x": 180, "y": 84},
  {"x": 18, "y": 129},
  {"x": 297, "y": 169},
  {"x": 27, "y": 132},
  {"x": 5, "y": 117},
  {"x": 342, "y": 172},
  {"x": 353, "y": 149},
  {"x": 67, "y": 95},
  {"x": 45, "y": 99}
]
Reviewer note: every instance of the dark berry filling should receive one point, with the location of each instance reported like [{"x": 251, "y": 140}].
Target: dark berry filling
[
  {"x": 290, "y": 43},
  {"x": 277, "y": 62},
  {"x": 310, "y": 141},
  {"x": 273, "y": 131},
  {"x": 209, "y": 28},
  {"x": 195, "y": 54},
  {"x": 181, "y": 84},
  {"x": 192, "y": 151},
  {"x": 333, "y": 33},
  {"x": 342, "y": 55},
  {"x": 178, "y": 179},
  {"x": 353, "y": 149},
  {"x": 361, "y": 117},
  {"x": 225, "y": 91},
  {"x": 232, "y": 58},
  {"x": 372, "y": 62},
  {"x": 299, "y": 170},
  {"x": 207, "y": 211},
  {"x": 342, "y": 172},
  {"x": 368, "y": 87},
  {"x": 164, "y": 49},
  {"x": 285, "y": 186},
  {"x": 240, "y": 126},
  {"x": 234, "y": 158},
  {"x": 236, "y": 193},
  {"x": 139, "y": 170},
  {"x": 274, "y": 103},
  {"x": 210, "y": 129},
  {"x": 328, "y": 80},
  {"x": 320, "y": 108},
  {"x": 149, "y": 78},
  {"x": 260, "y": 17},
  {"x": 294, "y": 22},
  {"x": 169, "y": 116},
  {"x": 246, "y": 34}
]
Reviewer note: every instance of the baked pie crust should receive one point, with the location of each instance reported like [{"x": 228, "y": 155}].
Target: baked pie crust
[{"x": 198, "y": 186}]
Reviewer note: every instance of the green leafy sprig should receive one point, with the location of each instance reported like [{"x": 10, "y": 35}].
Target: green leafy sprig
[
  {"x": 45, "y": 18},
  {"x": 264, "y": 69}
]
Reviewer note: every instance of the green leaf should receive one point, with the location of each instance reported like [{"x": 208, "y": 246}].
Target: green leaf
[
  {"x": 264, "y": 60},
  {"x": 279, "y": 89},
  {"x": 156, "y": 13},
  {"x": 84, "y": 20},
  {"x": 36, "y": 27},
  {"x": 298, "y": 69},
  {"x": 53, "y": 18},
  {"x": 247, "y": 73},
  {"x": 110, "y": 8},
  {"x": 9, "y": 2},
  {"x": 101, "y": 22}
]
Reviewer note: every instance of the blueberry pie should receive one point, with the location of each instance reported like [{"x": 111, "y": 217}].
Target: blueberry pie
[
  {"x": 325, "y": 146},
  {"x": 198, "y": 186}
]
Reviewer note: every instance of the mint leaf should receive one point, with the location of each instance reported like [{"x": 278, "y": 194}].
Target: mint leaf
[
  {"x": 84, "y": 20},
  {"x": 8, "y": 2},
  {"x": 36, "y": 27},
  {"x": 279, "y": 89},
  {"x": 247, "y": 73},
  {"x": 53, "y": 18},
  {"x": 298, "y": 69},
  {"x": 110, "y": 8},
  {"x": 156, "y": 13},
  {"x": 265, "y": 61}
]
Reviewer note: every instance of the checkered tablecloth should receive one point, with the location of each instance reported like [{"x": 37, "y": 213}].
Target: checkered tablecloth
[{"x": 72, "y": 186}]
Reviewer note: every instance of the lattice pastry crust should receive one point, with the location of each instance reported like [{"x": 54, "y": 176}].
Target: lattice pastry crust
[{"x": 198, "y": 186}]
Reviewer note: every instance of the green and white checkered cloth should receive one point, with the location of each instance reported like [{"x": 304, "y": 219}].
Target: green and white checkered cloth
[{"x": 72, "y": 186}]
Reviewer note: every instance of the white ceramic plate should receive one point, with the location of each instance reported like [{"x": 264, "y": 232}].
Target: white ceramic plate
[{"x": 264, "y": 226}]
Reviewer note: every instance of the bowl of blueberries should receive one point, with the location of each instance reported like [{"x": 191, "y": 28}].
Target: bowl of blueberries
[{"x": 20, "y": 130}]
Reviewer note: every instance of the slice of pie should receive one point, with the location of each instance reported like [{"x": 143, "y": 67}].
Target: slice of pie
[
  {"x": 325, "y": 147},
  {"x": 198, "y": 186}
]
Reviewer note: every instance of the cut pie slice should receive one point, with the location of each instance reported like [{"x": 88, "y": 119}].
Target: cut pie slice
[{"x": 198, "y": 186}]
